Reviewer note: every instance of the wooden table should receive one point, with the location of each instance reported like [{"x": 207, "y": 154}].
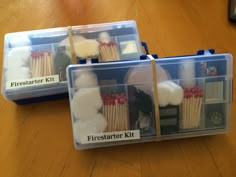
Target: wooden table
[{"x": 36, "y": 139}]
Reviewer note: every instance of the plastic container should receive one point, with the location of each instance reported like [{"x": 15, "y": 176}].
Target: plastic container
[
  {"x": 34, "y": 62},
  {"x": 115, "y": 103}
]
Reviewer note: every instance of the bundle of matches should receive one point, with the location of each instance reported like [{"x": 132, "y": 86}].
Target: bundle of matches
[
  {"x": 41, "y": 63},
  {"x": 115, "y": 111},
  {"x": 191, "y": 108},
  {"x": 108, "y": 51},
  {"x": 107, "y": 48}
]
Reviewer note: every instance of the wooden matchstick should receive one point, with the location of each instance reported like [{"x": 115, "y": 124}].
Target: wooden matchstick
[
  {"x": 50, "y": 63},
  {"x": 183, "y": 108},
  {"x": 114, "y": 115},
  {"x": 32, "y": 64},
  {"x": 125, "y": 116},
  {"x": 41, "y": 63},
  {"x": 44, "y": 64},
  {"x": 37, "y": 66},
  {"x": 196, "y": 113}
]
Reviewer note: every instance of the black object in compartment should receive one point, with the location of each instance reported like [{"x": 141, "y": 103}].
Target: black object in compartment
[
  {"x": 169, "y": 119},
  {"x": 215, "y": 115}
]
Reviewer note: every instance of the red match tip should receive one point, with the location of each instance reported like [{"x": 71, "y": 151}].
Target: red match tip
[
  {"x": 121, "y": 101},
  {"x": 122, "y": 94},
  {"x": 201, "y": 94},
  {"x": 115, "y": 96}
]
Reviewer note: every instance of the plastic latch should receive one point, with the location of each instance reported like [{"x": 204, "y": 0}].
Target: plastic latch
[
  {"x": 82, "y": 61},
  {"x": 144, "y": 45},
  {"x": 94, "y": 60},
  {"x": 155, "y": 56},
  {"x": 144, "y": 57},
  {"x": 206, "y": 52}
]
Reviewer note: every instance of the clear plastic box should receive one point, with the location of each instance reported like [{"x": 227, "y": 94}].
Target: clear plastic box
[
  {"x": 115, "y": 103},
  {"x": 34, "y": 62}
]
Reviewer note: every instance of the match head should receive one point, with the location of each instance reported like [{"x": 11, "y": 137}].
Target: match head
[{"x": 104, "y": 37}]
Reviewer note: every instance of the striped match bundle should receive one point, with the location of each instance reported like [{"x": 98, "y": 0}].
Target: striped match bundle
[
  {"x": 108, "y": 51},
  {"x": 41, "y": 63},
  {"x": 115, "y": 111},
  {"x": 191, "y": 108}
]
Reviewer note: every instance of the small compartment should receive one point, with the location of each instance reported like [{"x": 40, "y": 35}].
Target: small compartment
[
  {"x": 215, "y": 115},
  {"x": 169, "y": 119},
  {"x": 107, "y": 42},
  {"x": 141, "y": 109},
  {"x": 129, "y": 48},
  {"x": 27, "y": 62},
  {"x": 217, "y": 90},
  {"x": 212, "y": 67}
]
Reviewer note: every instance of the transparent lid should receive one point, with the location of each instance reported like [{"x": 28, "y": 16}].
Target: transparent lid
[
  {"x": 34, "y": 62},
  {"x": 115, "y": 103}
]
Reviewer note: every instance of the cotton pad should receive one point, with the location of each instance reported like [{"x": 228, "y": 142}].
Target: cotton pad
[
  {"x": 86, "y": 79},
  {"x": 20, "y": 41},
  {"x": 176, "y": 93},
  {"x": 83, "y": 128},
  {"x": 104, "y": 37},
  {"x": 86, "y": 48},
  {"x": 18, "y": 57},
  {"x": 141, "y": 77},
  {"x": 86, "y": 103},
  {"x": 169, "y": 93},
  {"x": 163, "y": 91},
  {"x": 17, "y": 73},
  {"x": 75, "y": 38}
]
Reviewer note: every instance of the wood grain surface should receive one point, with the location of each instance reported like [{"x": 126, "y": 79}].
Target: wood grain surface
[{"x": 36, "y": 139}]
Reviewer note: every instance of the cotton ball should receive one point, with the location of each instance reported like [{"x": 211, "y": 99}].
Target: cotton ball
[
  {"x": 86, "y": 80},
  {"x": 104, "y": 37},
  {"x": 83, "y": 128},
  {"x": 75, "y": 38},
  {"x": 17, "y": 73},
  {"x": 18, "y": 57},
  {"x": 86, "y": 48},
  {"x": 176, "y": 93},
  {"x": 86, "y": 103},
  {"x": 163, "y": 91},
  {"x": 20, "y": 41}
]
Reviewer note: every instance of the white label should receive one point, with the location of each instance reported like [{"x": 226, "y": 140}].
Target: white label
[
  {"x": 32, "y": 82},
  {"x": 113, "y": 136}
]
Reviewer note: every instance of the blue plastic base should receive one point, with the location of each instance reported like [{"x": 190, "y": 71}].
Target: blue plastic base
[{"x": 41, "y": 99}]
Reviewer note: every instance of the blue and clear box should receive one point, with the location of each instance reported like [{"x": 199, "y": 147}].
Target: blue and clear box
[
  {"x": 150, "y": 100},
  {"x": 34, "y": 62}
]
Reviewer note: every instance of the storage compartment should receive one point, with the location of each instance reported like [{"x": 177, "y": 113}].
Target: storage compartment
[{"x": 116, "y": 103}]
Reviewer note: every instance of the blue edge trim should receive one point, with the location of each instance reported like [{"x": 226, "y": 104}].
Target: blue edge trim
[
  {"x": 42, "y": 98},
  {"x": 65, "y": 95}
]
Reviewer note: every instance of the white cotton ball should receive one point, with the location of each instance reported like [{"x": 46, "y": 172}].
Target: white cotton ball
[
  {"x": 86, "y": 48},
  {"x": 104, "y": 37},
  {"x": 75, "y": 38},
  {"x": 86, "y": 80},
  {"x": 176, "y": 93},
  {"x": 17, "y": 73},
  {"x": 18, "y": 57},
  {"x": 86, "y": 103},
  {"x": 20, "y": 41},
  {"x": 83, "y": 128},
  {"x": 163, "y": 91}
]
